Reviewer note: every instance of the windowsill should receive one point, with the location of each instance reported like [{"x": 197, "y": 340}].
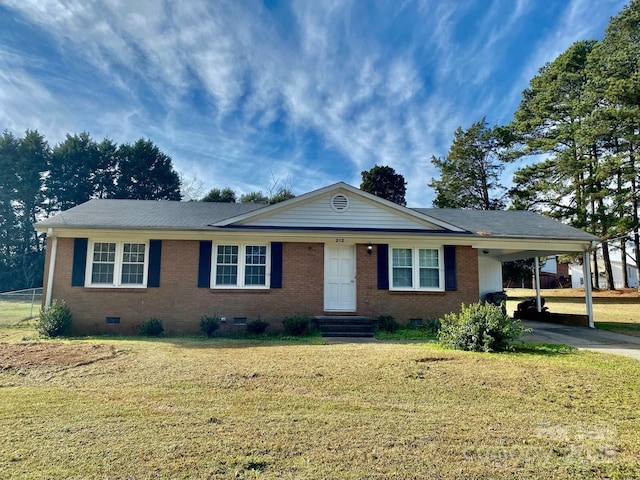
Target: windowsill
[
  {"x": 239, "y": 290},
  {"x": 113, "y": 288},
  {"x": 417, "y": 292}
]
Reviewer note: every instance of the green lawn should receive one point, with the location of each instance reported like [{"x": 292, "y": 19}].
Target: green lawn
[
  {"x": 222, "y": 408},
  {"x": 617, "y": 311}
]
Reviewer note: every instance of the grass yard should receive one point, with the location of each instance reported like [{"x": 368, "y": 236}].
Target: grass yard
[
  {"x": 13, "y": 312},
  {"x": 221, "y": 408},
  {"x": 617, "y": 311}
]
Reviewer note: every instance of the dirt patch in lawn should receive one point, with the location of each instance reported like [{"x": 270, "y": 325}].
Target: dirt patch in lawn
[{"x": 51, "y": 356}]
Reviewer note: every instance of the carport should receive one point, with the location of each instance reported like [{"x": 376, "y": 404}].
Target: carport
[{"x": 504, "y": 236}]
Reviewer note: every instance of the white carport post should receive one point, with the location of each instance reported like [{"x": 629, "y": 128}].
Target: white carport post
[
  {"x": 586, "y": 267},
  {"x": 537, "y": 278},
  {"x": 52, "y": 243}
]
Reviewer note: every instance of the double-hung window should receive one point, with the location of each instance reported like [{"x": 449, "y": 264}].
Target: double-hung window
[
  {"x": 417, "y": 269},
  {"x": 242, "y": 266},
  {"x": 117, "y": 264}
]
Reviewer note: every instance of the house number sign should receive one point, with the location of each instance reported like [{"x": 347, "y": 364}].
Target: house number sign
[{"x": 339, "y": 240}]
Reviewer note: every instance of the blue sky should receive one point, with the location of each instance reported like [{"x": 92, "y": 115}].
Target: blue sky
[{"x": 311, "y": 91}]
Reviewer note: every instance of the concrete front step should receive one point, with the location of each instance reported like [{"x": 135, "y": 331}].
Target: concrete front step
[
  {"x": 348, "y": 335},
  {"x": 344, "y": 325}
]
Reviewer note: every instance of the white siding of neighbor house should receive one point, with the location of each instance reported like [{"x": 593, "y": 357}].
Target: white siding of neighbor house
[
  {"x": 489, "y": 274},
  {"x": 359, "y": 214},
  {"x": 632, "y": 275}
]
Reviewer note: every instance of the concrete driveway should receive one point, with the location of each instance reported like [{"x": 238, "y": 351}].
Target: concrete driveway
[{"x": 583, "y": 338}]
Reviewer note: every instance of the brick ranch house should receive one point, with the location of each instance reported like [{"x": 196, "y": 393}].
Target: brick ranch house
[{"x": 332, "y": 251}]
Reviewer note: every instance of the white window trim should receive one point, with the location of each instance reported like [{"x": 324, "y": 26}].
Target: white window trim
[
  {"x": 117, "y": 269},
  {"x": 415, "y": 269},
  {"x": 241, "y": 266}
]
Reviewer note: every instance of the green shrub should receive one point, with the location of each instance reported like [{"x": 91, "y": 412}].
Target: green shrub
[
  {"x": 209, "y": 325},
  {"x": 479, "y": 327},
  {"x": 387, "y": 323},
  {"x": 257, "y": 327},
  {"x": 296, "y": 325},
  {"x": 432, "y": 325},
  {"x": 55, "y": 320},
  {"x": 151, "y": 328}
]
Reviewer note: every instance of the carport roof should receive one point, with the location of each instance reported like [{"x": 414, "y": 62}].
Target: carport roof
[{"x": 508, "y": 224}]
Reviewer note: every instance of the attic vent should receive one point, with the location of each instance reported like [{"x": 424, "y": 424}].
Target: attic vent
[{"x": 339, "y": 203}]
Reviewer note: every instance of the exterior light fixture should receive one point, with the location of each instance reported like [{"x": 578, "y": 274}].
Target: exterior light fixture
[{"x": 369, "y": 248}]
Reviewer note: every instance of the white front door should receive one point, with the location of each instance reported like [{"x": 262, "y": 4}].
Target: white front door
[{"x": 340, "y": 278}]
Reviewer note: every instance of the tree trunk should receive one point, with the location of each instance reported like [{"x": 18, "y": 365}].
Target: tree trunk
[
  {"x": 607, "y": 265},
  {"x": 595, "y": 274},
  {"x": 623, "y": 257}
]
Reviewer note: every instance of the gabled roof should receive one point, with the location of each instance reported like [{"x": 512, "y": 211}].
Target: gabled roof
[{"x": 208, "y": 216}]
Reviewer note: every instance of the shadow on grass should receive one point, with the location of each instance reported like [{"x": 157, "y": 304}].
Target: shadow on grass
[
  {"x": 620, "y": 327},
  {"x": 543, "y": 349},
  {"x": 220, "y": 341}
]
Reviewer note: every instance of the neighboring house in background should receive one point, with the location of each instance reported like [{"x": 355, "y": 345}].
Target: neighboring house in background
[
  {"x": 333, "y": 251},
  {"x": 553, "y": 274},
  {"x": 577, "y": 276}
]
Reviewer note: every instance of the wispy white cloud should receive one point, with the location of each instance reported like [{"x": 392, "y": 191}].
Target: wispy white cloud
[{"x": 316, "y": 92}]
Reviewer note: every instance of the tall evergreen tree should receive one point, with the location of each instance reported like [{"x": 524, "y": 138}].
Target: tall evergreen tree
[
  {"x": 226, "y": 195},
  {"x": 145, "y": 173},
  {"x": 254, "y": 197},
  {"x": 614, "y": 89},
  {"x": 573, "y": 182},
  {"x": 72, "y": 171},
  {"x": 384, "y": 182},
  {"x": 470, "y": 173}
]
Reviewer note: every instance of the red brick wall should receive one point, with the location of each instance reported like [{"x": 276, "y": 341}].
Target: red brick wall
[
  {"x": 180, "y": 304},
  {"x": 406, "y": 305}
]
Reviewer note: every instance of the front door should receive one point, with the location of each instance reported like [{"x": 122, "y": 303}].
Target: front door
[{"x": 340, "y": 278}]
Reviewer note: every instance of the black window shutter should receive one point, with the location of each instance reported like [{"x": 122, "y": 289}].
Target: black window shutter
[
  {"x": 450, "y": 282},
  {"x": 79, "y": 261},
  {"x": 383, "y": 266},
  {"x": 204, "y": 264},
  {"x": 276, "y": 264},
  {"x": 155, "y": 254}
]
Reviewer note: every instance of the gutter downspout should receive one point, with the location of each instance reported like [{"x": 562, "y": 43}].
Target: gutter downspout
[
  {"x": 537, "y": 277},
  {"x": 588, "y": 297},
  {"x": 52, "y": 266}
]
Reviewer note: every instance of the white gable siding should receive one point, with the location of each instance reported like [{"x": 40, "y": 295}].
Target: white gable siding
[{"x": 359, "y": 214}]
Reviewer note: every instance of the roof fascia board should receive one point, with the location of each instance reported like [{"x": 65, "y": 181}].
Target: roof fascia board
[{"x": 530, "y": 244}]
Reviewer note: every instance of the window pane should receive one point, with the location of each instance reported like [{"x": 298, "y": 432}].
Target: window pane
[
  {"x": 132, "y": 273},
  {"x": 133, "y": 263},
  {"x": 255, "y": 265},
  {"x": 256, "y": 255},
  {"x": 227, "y": 265},
  {"x": 227, "y": 254},
  {"x": 104, "y": 252},
  {"x": 226, "y": 275},
  {"x": 428, "y": 258},
  {"x": 103, "y": 266},
  {"x": 102, "y": 273},
  {"x": 401, "y": 257},
  {"x": 429, "y": 278},
  {"x": 133, "y": 252},
  {"x": 402, "y": 277},
  {"x": 254, "y": 275}
]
